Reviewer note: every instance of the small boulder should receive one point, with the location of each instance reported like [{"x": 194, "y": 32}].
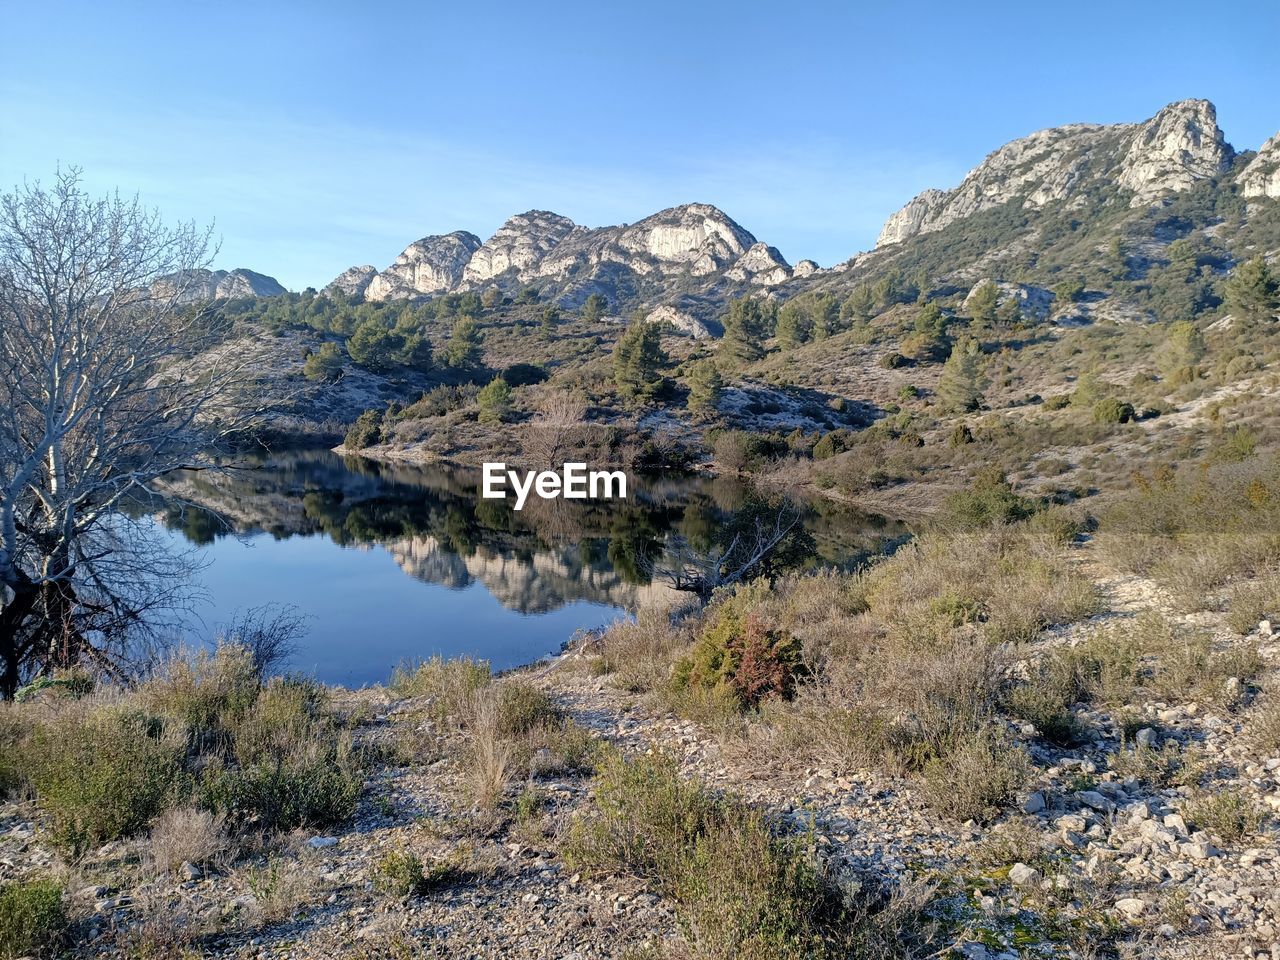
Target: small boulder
[
  {"x": 1021, "y": 875},
  {"x": 1132, "y": 907}
]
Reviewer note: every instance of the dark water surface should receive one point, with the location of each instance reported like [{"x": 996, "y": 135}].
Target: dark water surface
[{"x": 390, "y": 563}]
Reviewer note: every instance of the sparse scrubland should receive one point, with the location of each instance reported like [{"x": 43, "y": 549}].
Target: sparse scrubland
[
  {"x": 1046, "y": 724},
  {"x": 1054, "y": 730}
]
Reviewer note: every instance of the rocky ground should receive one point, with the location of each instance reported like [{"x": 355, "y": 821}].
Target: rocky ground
[{"x": 1090, "y": 863}]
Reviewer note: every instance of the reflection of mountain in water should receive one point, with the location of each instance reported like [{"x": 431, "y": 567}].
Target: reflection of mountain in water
[
  {"x": 537, "y": 585},
  {"x": 433, "y": 522}
]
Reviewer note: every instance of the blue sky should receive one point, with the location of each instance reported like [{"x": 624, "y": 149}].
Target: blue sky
[{"x": 321, "y": 135}]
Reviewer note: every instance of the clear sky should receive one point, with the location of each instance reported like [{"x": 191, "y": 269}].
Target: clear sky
[{"x": 320, "y": 135}]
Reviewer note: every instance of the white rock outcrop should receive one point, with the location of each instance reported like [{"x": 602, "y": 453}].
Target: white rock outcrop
[
  {"x": 1177, "y": 148},
  {"x": 680, "y": 321},
  {"x": 761, "y": 264},
  {"x": 1174, "y": 150},
  {"x": 519, "y": 244},
  {"x": 565, "y": 259},
  {"x": 431, "y": 265},
  {"x": 197, "y": 286},
  {"x": 352, "y": 282},
  {"x": 1261, "y": 178}
]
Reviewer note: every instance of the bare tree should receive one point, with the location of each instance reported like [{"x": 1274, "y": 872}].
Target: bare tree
[
  {"x": 557, "y": 431},
  {"x": 102, "y": 390},
  {"x": 752, "y": 539}
]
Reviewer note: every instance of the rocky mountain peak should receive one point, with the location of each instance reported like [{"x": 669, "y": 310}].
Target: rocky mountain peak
[
  {"x": 518, "y": 244},
  {"x": 1261, "y": 178},
  {"x": 695, "y": 234},
  {"x": 1171, "y": 152},
  {"x": 204, "y": 285},
  {"x": 430, "y": 265},
  {"x": 646, "y": 260},
  {"x": 352, "y": 282},
  {"x": 760, "y": 264},
  {"x": 1177, "y": 148}
]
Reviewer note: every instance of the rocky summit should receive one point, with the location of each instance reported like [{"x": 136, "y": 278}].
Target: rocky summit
[
  {"x": 1177, "y": 148},
  {"x": 203, "y": 285},
  {"x": 695, "y": 247}
]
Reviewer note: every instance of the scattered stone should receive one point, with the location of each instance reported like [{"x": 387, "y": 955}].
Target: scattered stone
[
  {"x": 321, "y": 843},
  {"x": 1132, "y": 907},
  {"x": 1033, "y": 803},
  {"x": 1021, "y": 875},
  {"x": 1095, "y": 801}
]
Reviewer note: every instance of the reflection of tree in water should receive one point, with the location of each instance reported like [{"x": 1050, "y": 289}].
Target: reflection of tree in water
[
  {"x": 634, "y": 541},
  {"x": 439, "y": 529}
]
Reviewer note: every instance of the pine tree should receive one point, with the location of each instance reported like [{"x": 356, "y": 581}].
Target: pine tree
[
  {"x": 1182, "y": 352},
  {"x": 705, "y": 384},
  {"x": 462, "y": 352},
  {"x": 638, "y": 358},
  {"x": 983, "y": 303},
  {"x": 594, "y": 306},
  {"x": 1253, "y": 293},
  {"x": 1009, "y": 313},
  {"x": 745, "y": 327},
  {"x": 416, "y": 352},
  {"x": 495, "y": 401},
  {"x": 795, "y": 326},
  {"x": 325, "y": 364},
  {"x": 961, "y": 385},
  {"x": 373, "y": 346},
  {"x": 550, "y": 317},
  {"x": 860, "y": 305}
]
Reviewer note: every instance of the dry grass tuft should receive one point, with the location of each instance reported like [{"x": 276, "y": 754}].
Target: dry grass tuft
[{"x": 187, "y": 835}]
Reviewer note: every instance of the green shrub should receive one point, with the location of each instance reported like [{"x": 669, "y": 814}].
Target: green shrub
[
  {"x": 523, "y": 374},
  {"x": 1112, "y": 410},
  {"x": 449, "y": 683},
  {"x": 893, "y": 360},
  {"x": 1046, "y": 701},
  {"x": 103, "y": 774},
  {"x": 1157, "y": 768},
  {"x": 495, "y": 401},
  {"x": 312, "y": 784},
  {"x": 989, "y": 499},
  {"x": 739, "y": 653},
  {"x": 365, "y": 432},
  {"x": 1251, "y": 603},
  {"x": 740, "y": 889},
  {"x": 292, "y": 765},
  {"x": 976, "y": 778},
  {"x": 324, "y": 364},
  {"x": 1229, "y": 815},
  {"x": 32, "y": 918},
  {"x": 206, "y": 692},
  {"x": 398, "y": 873},
  {"x": 1236, "y": 445},
  {"x": 13, "y": 730},
  {"x": 826, "y": 447},
  {"x": 522, "y": 707}
]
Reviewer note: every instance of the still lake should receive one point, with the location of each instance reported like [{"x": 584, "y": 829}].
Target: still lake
[{"x": 389, "y": 563}]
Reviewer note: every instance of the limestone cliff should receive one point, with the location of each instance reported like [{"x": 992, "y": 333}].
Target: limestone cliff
[
  {"x": 1261, "y": 178},
  {"x": 692, "y": 246},
  {"x": 1177, "y": 148},
  {"x": 431, "y": 265}
]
